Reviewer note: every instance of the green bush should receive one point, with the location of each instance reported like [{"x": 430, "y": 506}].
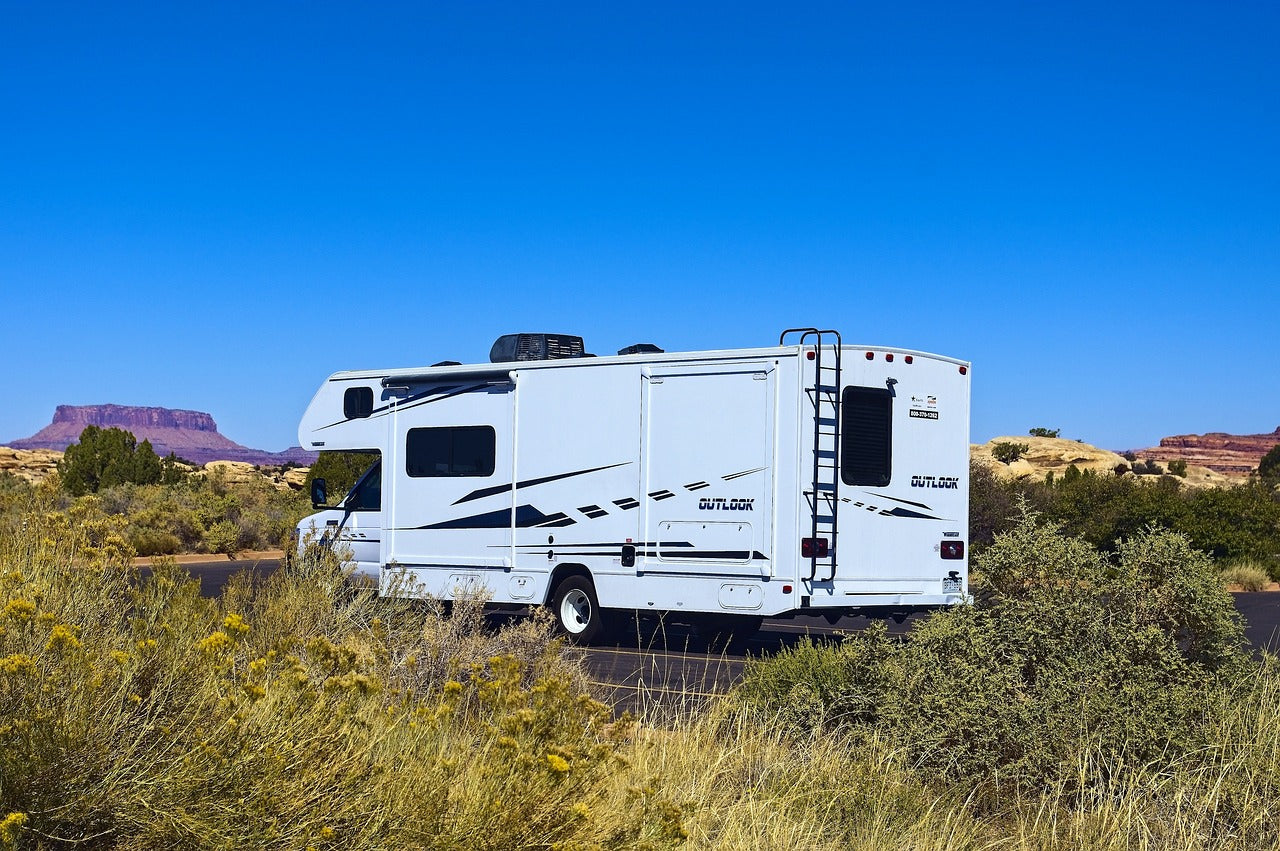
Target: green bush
[
  {"x": 1178, "y": 467},
  {"x": 1006, "y": 452},
  {"x": 1065, "y": 654},
  {"x": 1239, "y": 521},
  {"x": 1269, "y": 466},
  {"x": 1045, "y": 432}
]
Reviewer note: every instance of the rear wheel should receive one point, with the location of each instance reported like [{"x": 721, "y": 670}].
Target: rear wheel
[{"x": 577, "y": 611}]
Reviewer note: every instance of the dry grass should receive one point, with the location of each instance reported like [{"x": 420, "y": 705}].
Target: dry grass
[{"x": 305, "y": 713}]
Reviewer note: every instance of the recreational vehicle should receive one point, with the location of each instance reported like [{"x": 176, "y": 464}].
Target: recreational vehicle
[{"x": 714, "y": 487}]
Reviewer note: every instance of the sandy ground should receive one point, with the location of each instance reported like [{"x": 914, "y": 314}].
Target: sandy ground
[{"x": 248, "y": 557}]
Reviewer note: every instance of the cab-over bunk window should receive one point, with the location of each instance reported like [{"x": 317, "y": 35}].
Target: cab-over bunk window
[
  {"x": 866, "y": 436},
  {"x": 450, "y": 451}
]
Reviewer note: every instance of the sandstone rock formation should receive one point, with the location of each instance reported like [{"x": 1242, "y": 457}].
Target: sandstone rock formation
[
  {"x": 239, "y": 472},
  {"x": 1054, "y": 455},
  {"x": 32, "y": 465},
  {"x": 1230, "y": 454},
  {"x": 189, "y": 434}
]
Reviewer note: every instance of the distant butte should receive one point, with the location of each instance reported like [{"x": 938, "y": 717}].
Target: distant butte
[
  {"x": 188, "y": 434},
  {"x": 1230, "y": 454}
]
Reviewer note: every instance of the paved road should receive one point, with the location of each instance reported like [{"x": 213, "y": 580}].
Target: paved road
[{"x": 655, "y": 669}]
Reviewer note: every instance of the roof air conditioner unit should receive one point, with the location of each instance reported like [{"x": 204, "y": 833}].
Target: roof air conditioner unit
[{"x": 518, "y": 347}]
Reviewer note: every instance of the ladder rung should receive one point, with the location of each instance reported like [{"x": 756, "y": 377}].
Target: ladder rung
[
  {"x": 827, "y": 421},
  {"x": 827, "y": 388},
  {"x": 825, "y": 453}
]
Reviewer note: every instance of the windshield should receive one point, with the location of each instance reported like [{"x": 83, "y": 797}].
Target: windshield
[{"x": 367, "y": 493}]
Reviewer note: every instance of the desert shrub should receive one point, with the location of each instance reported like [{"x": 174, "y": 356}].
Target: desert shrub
[
  {"x": 1039, "y": 431},
  {"x": 1269, "y": 466},
  {"x": 1178, "y": 467},
  {"x": 1147, "y": 467},
  {"x": 289, "y": 714},
  {"x": 1007, "y": 452},
  {"x": 992, "y": 505},
  {"x": 1246, "y": 575},
  {"x": 1067, "y": 653}
]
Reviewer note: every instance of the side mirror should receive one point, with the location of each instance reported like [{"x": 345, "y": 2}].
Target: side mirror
[{"x": 319, "y": 494}]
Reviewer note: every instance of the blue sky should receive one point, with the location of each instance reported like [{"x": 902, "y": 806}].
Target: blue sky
[{"x": 214, "y": 208}]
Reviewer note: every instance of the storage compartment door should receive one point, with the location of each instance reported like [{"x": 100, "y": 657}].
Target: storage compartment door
[{"x": 708, "y": 471}]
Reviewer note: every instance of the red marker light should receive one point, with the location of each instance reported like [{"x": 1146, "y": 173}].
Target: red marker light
[
  {"x": 810, "y": 355},
  {"x": 889, "y": 357},
  {"x": 964, "y": 370},
  {"x": 952, "y": 549},
  {"x": 871, "y": 355},
  {"x": 786, "y": 589},
  {"x": 908, "y": 359}
]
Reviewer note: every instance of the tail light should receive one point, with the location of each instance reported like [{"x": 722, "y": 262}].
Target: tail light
[
  {"x": 813, "y": 547},
  {"x": 952, "y": 549}
]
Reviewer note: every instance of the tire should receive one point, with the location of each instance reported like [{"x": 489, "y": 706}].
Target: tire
[{"x": 577, "y": 611}]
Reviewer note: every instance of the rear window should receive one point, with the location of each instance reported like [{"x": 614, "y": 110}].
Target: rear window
[
  {"x": 450, "y": 451},
  {"x": 866, "y": 436}
]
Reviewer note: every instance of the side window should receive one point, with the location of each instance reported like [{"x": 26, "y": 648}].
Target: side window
[
  {"x": 452, "y": 451},
  {"x": 357, "y": 402},
  {"x": 367, "y": 493},
  {"x": 866, "y": 436}
]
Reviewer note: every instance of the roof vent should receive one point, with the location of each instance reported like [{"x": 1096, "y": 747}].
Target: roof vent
[
  {"x": 517, "y": 347},
  {"x": 640, "y": 349}
]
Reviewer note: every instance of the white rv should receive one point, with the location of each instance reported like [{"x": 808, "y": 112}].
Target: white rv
[{"x": 716, "y": 487}]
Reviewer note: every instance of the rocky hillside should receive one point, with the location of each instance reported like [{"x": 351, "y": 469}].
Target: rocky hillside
[
  {"x": 33, "y": 465},
  {"x": 188, "y": 434},
  {"x": 1229, "y": 454},
  {"x": 36, "y": 465},
  {"x": 1054, "y": 455}
]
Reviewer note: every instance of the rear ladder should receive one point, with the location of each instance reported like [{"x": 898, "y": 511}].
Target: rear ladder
[{"x": 824, "y": 496}]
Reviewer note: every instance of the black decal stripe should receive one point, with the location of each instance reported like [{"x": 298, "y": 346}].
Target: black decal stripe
[
  {"x": 721, "y": 555},
  {"x": 697, "y": 486},
  {"x": 658, "y": 496},
  {"x": 557, "y": 520},
  {"x": 906, "y": 512},
  {"x": 608, "y": 544},
  {"x": 528, "y": 483},
  {"x": 526, "y": 516},
  {"x": 733, "y": 476},
  {"x": 435, "y": 394},
  {"x": 907, "y": 502},
  {"x": 626, "y": 504}
]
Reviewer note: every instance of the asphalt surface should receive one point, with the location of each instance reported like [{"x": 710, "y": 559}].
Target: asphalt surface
[{"x": 656, "y": 667}]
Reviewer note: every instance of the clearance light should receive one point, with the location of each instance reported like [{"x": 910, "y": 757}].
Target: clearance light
[
  {"x": 786, "y": 589},
  {"x": 810, "y": 355},
  {"x": 871, "y": 355},
  {"x": 952, "y": 550},
  {"x": 813, "y": 548},
  {"x": 889, "y": 357},
  {"x": 964, "y": 370},
  {"x": 908, "y": 359}
]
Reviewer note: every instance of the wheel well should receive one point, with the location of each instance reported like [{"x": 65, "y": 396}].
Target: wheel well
[{"x": 563, "y": 572}]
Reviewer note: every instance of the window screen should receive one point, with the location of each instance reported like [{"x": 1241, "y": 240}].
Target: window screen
[
  {"x": 453, "y": 451},
  {"x": 866, "y": 436},
  {"x": 357, "y": 402}
]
